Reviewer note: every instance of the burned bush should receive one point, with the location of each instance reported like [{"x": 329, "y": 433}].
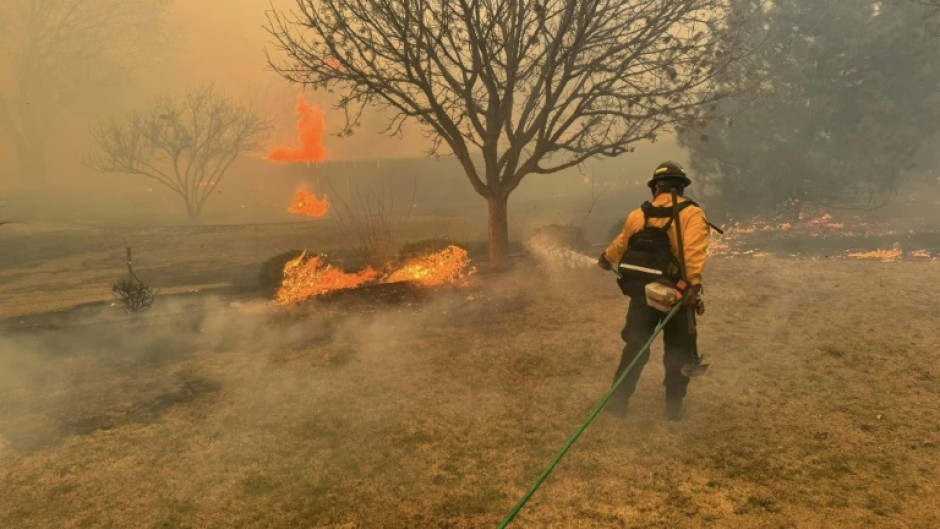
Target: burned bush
[{"x": 131, "y": 293}]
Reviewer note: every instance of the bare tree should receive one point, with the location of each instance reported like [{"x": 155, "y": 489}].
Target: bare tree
[
  {"x": 60, "y": 53},
  {"x": 526, "y": 86},
  {"x": 185, "y": 145}
]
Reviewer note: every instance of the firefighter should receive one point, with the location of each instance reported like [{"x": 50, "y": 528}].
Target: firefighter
[{"x": 642, "y": 319}]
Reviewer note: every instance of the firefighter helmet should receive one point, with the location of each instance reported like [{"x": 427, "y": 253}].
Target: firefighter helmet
[{"x": 669, "y": 173}]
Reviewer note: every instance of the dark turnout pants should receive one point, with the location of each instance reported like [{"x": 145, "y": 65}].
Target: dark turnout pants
[{"x": 679, "y": 344}]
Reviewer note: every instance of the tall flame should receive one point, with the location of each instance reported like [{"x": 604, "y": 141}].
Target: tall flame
[
  {"x": 306, "y": 203},
  {"x": 309, "y": 137},
  {"x": 450, "y": 265},
  {"x": 304, "y": 279}
]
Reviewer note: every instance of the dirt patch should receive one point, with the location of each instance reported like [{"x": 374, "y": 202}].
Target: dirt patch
[{"x": 141, "y": 409}]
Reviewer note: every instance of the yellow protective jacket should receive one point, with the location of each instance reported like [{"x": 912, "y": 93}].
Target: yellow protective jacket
[{"x": 694, "y": 236}]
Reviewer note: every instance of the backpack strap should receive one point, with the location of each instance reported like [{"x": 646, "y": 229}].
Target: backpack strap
[
  {"x": 662, "y": 212},
  {"x": 647, "y": 209}
]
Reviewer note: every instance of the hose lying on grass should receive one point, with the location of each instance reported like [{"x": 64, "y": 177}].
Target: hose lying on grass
[{"x": 597, "y": 409}]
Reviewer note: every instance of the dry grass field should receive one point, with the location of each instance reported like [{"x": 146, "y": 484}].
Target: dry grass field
[{"x": 437, "y": 409}]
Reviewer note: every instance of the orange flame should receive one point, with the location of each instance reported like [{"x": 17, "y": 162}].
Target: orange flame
[
  {"x": 306, "y": 203},
  {"x": 450, "y": 265},
  {"x": 309, "y": 136},
  {"x": 314, "y": 277}
]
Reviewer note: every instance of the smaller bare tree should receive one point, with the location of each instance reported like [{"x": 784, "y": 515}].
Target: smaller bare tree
[
  {"x": 185, "y": 145},
  {"x": 368, "y": 217}
]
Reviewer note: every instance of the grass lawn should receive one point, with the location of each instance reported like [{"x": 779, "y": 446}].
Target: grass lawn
[{"x": 439, "y": 409}]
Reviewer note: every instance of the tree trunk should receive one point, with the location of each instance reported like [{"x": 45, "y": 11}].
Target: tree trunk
[
  {"x": 193, "y": 210},
  {"x": 498, "y": 221}
]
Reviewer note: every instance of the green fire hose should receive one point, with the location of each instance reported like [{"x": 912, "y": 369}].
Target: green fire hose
[{"x": 597, "y": 409}]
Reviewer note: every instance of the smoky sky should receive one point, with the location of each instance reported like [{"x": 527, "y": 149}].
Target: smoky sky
[{"x": 223, "y": 43}]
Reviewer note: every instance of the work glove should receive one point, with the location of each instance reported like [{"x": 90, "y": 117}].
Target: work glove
[
  {"x": 691, "y": 295},
  {"x": 604, "y": 263}
]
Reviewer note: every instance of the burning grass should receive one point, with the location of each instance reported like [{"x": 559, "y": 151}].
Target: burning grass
[
  {"x": 824, "y": 236},
  {"x": 306, "y": 278},
  {"x": 449, "y": 266},
  {"x": 739, "y": 235},
  {"x": 886, "y": 256}
]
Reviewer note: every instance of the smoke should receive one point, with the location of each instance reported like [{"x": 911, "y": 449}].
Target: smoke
[
  {"x": 309, "y": 137},
  {"x": 106, "y": 370},
  {"x": 229, "y": 362}
]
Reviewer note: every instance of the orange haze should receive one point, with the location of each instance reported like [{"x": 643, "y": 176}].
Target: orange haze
[{"x": 309, "y": 137}]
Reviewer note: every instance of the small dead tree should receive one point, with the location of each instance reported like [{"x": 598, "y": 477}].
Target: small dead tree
[
  {"x": 132, "y": 294},
  {"x": 185, "y": 145},
  {"x": 514, "y": 87},
  {"x": 369, "y": 218}
]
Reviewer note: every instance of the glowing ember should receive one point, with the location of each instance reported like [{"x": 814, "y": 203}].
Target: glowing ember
[
  {"x": 888, "y": 256},
  {"x": 825, "y": 221},
  {"x": 304, "y": 279},
  {"x": 450, "y": 265},
  {"x": 306, "y": 203},
  {"x": 309, "y": 136},
  {"x": 752, "y": 253},
  {"x": 739, "y": 234}
]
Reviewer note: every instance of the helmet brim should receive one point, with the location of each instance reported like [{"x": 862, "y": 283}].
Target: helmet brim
[{"x": 669, "y": 180}]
